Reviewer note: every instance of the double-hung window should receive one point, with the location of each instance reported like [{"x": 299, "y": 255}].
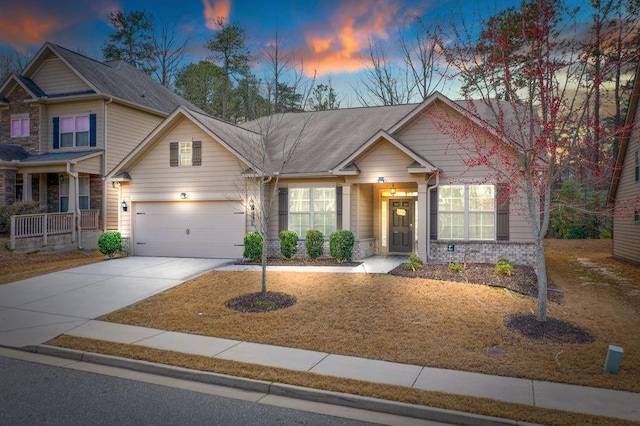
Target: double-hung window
[
  {"x": 466, "y": 212},
  {"x": 19, "y": 127},
  {"x": 185, "y": 154},
  {"x": 74, "y": 131},
  {"x": 83, "y": 193},
  {"x": 312, "y": 208}
]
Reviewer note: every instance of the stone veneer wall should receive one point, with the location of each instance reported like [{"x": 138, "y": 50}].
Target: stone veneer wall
[
  {"x": 17, "y": 106},
  {"x": 361, "y": 249},
  {"x": 519, "y": 253},
  {"x": 7, "y": 187}
]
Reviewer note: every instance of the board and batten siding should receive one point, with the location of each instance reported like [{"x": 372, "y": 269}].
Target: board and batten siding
[
  {"x": 626, "y": 232},
  {"x": 126, "y": 128},
  {"x": 73, "y": 109},
  {"x": 423, "y": 137},
  {"x": 54, "y": 77}
]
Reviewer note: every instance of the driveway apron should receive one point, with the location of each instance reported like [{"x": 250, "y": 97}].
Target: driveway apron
[{"x": 38, "y": 309}]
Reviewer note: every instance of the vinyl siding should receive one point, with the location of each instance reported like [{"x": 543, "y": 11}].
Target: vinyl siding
[
  {"x": 74, "y": 108},
  {"x": 54, "y": 77},
  {"x": 382, "y": 159},
  {"x": 92, "y": 165},
  {"x": 365, "y": 211},
  {"x": 626, "y": 232},
  {"x": 126, "y": 128},
  {"x": 113, "y": 207},
  {"x": 423, "y": 137}
]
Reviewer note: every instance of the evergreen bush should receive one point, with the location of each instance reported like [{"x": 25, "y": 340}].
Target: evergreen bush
[
  {"x": 313, "y": 242},
  {"x": 341, "y": 245},
  {"x": 288, "y": 243},
  {"x": 253, "y": 246}
]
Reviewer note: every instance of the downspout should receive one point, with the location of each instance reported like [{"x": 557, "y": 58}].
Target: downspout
[
  {"x": 429, "y": 212},
  {"x": 104, "y": 168},
  {"x": 76, "y": 202}
]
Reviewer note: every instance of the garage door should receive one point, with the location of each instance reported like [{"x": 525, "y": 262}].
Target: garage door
[{"x": 189, "y": 229}]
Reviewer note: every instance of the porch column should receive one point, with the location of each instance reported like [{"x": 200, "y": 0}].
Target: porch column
[
  {"x": 27, "y": 193},
  {"x": 43, "y": 189},
  {"x": 423, "y": 229},
  {"x": 346, "y": 207},
  {"x": 73, "y": 196}
]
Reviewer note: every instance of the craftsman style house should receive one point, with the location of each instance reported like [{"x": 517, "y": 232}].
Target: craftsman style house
[
  {"x": 65, "y": 122},
  {"x": 624, "y": 192},
  {"x": 390, "y": 174}
]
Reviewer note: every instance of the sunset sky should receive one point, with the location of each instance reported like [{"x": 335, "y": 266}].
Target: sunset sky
[{"x": 331, "y": 35}]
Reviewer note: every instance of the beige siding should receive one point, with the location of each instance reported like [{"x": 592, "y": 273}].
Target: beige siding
[
  {"x": 383, "y": 159},
  {"x": 54, "y": 77},
  {"x": 424, "y": 138},
  {"x": 365, "y": 206},
  {"x": 626, "y": 232},
  {"x": 113, "y": 208},
  {"x": 74, "y": 108},
  {"x": 92, "y": 165},
  {"x": 123, "y": 217},
  {"x": 126, "y": 128}
]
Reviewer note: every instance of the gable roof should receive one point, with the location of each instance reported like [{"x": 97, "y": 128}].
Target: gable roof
[
  {"x": 626, "y": 136},
  {"x": 115, "y": 79},
  {"x": 12, "y": 152}
]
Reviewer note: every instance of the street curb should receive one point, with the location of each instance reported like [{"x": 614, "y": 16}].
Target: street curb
[{"x": 280, "y": 389}]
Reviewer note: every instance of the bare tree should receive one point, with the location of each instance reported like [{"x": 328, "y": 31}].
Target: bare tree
[
  {"x": 12, "y": 63},
  {"x": 169, "y": 50}
]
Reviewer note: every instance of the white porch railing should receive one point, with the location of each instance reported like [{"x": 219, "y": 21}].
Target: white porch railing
[{"x": 46, "y": 224}]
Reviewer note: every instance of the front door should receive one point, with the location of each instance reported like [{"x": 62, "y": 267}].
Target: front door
[{"x": 401, "y": 229}]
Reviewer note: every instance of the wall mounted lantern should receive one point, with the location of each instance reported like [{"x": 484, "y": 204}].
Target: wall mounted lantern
[
  {"x": 183, "y": 195},
  {"x": 124, "y": 206},
  {"x": 252, "y": 206}
]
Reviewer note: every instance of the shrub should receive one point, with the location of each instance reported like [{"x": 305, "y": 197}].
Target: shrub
[
  {"x": 456, "y": 267},
  {"x": 110, "y": 243},
  {"x": 288, "y": 243},
  {"x": 504, "y": 267},
  {"x": 314, "y": 241},
  {"x": 341, "y": 245},
  {"x": 414, "y": 263},
  {"x": 20, "y": 207},
  {"x": 253, "y": 246}
]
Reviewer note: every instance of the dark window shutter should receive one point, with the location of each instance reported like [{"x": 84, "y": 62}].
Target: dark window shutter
[
  {"x": 196, "y": 153},
  {"x": 339, "y": 208},
  {"x": 433, "y": 220},
  {"x": 283, "y": 209},
  {"x": 173, "y": 154},
  {"x": 502, "y": 212},
  {"x": 92, "y": 130},
  {"x": 56, "y": 132}
]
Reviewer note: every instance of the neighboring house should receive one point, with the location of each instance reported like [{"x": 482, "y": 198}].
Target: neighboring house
[
  {"x": 388, "y": 174},
  {"x": 624, "y": 192},
  {"x": 65, "y": 122}
]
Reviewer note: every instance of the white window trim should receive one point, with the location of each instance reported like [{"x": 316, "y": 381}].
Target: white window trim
[
  {"x": 467, "y": 211},
  {"x": 75, "y": 132},
  {"x": 20, "y": 118},
  {"x": 310, "y": 212},
  {"x": 88, "y": 194},
  {"x": 189, "y": 157}
]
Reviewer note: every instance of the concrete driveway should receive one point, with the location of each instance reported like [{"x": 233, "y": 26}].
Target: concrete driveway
[{"x": 38, "y": 309}]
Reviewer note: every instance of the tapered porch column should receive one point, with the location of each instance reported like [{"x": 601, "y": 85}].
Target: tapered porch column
[
  {"x": 423, "y": 229},
  {"x": 27, "y": 193},
  {"x": 346, "y": 207}
]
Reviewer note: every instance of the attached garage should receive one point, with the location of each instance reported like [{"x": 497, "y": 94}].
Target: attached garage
[{"x": 212, "y": 229}]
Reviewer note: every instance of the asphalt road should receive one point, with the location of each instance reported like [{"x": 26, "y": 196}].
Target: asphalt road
[{"x": 39, "y": 394}]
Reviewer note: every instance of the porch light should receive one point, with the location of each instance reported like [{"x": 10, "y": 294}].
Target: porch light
[
  {"x": 252, "y": 206},
  {"x": 393, "y": 189},
  {"x": 183, "y": 195},
  {"x": 124, "y": 206},
  {"x": 381, "y": 179}
]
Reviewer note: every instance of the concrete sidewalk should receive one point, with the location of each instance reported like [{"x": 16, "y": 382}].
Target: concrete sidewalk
[{"x": 579, "y": 399}]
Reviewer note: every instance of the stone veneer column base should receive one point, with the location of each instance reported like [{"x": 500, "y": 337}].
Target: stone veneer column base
[{"x": 516, "y": 252}]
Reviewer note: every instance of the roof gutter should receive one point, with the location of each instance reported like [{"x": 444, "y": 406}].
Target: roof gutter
[{"x": 430, "y": 192}]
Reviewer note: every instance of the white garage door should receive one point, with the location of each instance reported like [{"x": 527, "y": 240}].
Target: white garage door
[{"x": 189, "y": 229}]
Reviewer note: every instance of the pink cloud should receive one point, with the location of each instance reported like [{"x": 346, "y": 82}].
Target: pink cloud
[
  {"x": 214, "y": 9},
  {"x": 23, "y": 27}
]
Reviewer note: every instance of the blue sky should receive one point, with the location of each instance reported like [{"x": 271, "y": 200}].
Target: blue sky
[{"x": 331, "y": 35}]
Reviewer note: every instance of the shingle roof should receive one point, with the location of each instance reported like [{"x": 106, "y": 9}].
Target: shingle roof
[
  {"x": 121, "y": 80},
  {"x": 54, "y": 157},
  {"x": 12, "y": 152},
  {"x": 328, "y": 137},
  {"x": 29, "y": 84}
]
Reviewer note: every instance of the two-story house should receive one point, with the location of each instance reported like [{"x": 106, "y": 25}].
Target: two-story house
[{"x": 65, "y": 122}]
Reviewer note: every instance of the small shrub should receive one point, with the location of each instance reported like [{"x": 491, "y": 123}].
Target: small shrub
[
  {"x": 314, "y": 241},
  {"x": 110, "y": 243},
  {"x": 20, "y": 207},
  {"x": 456, "y": 267},
  {"x": 414, "y": 263},
  {"x": 341, "y": 245},
  {"x": 253, "y": 246},
  {"x": 288, "y": 243},
  {"x": 504, "y": 267}
]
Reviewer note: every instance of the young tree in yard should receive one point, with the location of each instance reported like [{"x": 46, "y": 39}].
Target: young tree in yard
[
  {"x": 523, "y": 72},
  {"x": 133, "y": 40}
]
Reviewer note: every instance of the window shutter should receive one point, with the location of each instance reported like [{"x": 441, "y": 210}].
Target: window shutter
[
  {"x": 196, "y": 153},
  {"x": 502, "y": 212},
  {"x": 56, "y": 132},
  {"x": 92, "y": 130},
  {"x": 173, "y": 154},
  {"x": 433, "y": 220},
  {"x": 283, "y": 209},
  {"x": 339, "y": 208}
]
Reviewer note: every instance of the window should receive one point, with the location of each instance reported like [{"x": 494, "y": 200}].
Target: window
[
  {"x": 64, "y": 194},
  {"x": 185, "y": 154},
  {"x": 636, "y": 216},
  {"x": 19, "y": 127},
  {"x": 83, "y": 193},
  {"x": 312, "y": 208},
  {"x": 74, "y": 131},
  {"x": 466, "y": 212}
]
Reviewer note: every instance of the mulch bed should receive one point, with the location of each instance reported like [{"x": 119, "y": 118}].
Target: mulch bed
[
  {"x": 552, "y": 330},
  {"x": 299, "y": 261},
  {"x": 254, "y": 302}
]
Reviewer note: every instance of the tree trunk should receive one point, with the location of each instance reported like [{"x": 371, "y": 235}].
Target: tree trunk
[{"x": 541, "y": 274}]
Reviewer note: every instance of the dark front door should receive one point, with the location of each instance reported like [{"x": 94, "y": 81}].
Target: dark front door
[{"x": 401, "y": 229}]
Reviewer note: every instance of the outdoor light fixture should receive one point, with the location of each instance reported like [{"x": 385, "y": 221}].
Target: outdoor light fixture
[
  {"x": 115, "y": 185},
  {"x": 393, "y": 189},
  {"x": 381, "y": 179},
  {"x": 252, "y": 206},
  {"x": 124, "y": 206},
  {"x": 183, "y": 195}
]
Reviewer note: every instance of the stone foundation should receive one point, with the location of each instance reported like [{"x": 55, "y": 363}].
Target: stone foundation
[{"x": 518, "y": 253}]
